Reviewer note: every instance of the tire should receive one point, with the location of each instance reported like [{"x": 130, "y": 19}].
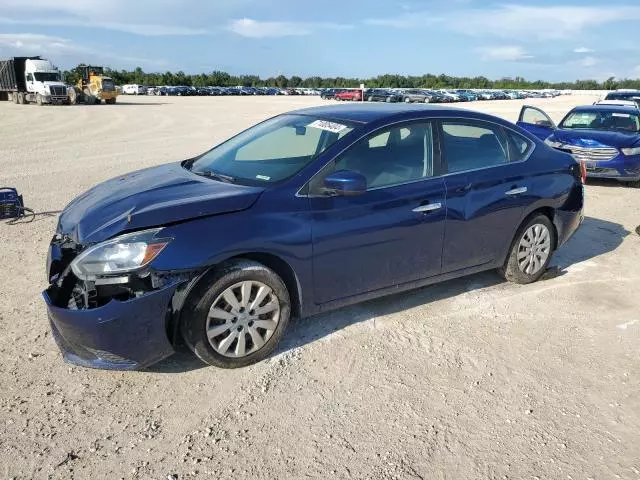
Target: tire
[
  {"x": 519, "y": 271},
  {"x": 370, "y": 99},
  {"x": 73, "y": 96},
  {"x": 10, "y": 97},
  {"x": 21, "y": 98},
  {"x": 88, "y": 98},
  {"x": 407, "y": 100},
  {"x": 635, "y": 184},
  {"x": 196, "y": 320},
  {"x": 427, "y": 100},
  {"x": 39, "y": 99}
]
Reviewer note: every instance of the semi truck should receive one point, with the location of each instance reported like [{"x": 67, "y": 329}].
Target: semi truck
[{"x": 31, "y": 79}]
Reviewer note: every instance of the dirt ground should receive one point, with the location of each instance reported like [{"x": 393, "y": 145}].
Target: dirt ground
[{"x": 473, "y": 378}]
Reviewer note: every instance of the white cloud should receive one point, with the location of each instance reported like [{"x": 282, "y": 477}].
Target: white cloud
[
  {"x": 543, "y": 22},
  {"x": 34, "y": 43},
  {"x": 583, "y": 50},
  {"x": 65, "y": 51},
  {"x": 504, "y": 53},
  {"x": 406, "y": 20},
  {"x": 589, "y": 61},
  {"x": 138, "y": 29},
  {"x": 518, "y": 21},
  {"x": 248, "y": 27},
  {"x": 140, "y": 17}
]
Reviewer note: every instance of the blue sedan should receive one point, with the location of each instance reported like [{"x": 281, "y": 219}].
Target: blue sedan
[
  {"x": 605, "y": 137},
  {"x": 303, "y": 213}
]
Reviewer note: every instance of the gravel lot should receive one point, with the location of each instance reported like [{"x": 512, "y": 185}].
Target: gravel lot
[{"x": 474, "y": 378}]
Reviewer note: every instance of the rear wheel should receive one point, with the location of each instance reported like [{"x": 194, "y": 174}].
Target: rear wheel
[
  {"x": 88, "y": 98},
  {"x": 531, "y": 251},
  {"x": 407, "y": 100},
  {"x": 237, "y": 315},
  {"x": 427, "y": 100},
  {"x": 370, "y": 99},
  {"x": 21, "y": 99}
]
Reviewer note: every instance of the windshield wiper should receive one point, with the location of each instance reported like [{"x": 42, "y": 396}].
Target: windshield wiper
[{"x": 216, "y": 176}]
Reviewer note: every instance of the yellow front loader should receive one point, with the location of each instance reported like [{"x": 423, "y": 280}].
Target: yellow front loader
[{"x": 93, "y": 87}]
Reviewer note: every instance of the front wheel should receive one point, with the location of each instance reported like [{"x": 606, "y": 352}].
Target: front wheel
[
  {"x": 39, "y": 100},
  {"x": 530, "y": 252},
  {"x": 237, "y": 315},
  {"x": 407, "y": 100}
]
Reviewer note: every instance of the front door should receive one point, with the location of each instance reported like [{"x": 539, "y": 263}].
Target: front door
[
  {"x": 391, "y": 234},
  {"x": 487, "y": 191},
  {"x": 536, "y": 121}
]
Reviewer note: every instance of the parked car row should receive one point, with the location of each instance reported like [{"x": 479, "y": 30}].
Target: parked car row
[
  {"x": 412, "y": 95},
  {"x": 183, "y": 90},
  {"x": 422, "y": 95}
]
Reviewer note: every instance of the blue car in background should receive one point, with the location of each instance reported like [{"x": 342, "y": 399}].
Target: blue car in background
[
  {"x": 303, "y": 213},
  {"x": 605, "y": 137}
]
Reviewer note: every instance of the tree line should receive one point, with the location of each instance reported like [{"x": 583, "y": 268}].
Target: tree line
[{"x": 224, "y": 79}]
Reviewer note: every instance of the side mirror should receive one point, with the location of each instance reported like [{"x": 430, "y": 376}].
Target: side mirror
[{"x": 346, "y": 183}]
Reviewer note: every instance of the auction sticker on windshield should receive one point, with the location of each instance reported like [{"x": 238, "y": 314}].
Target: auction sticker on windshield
[{"x": 328, "y": 126}]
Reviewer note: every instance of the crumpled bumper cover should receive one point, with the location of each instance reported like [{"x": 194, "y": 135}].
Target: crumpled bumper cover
[{"x": 117, "y": 336}]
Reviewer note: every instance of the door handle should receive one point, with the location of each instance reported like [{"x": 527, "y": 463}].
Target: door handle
[
  {"x": 517, "y": 191},
  {"x": 430, "y": 207}
]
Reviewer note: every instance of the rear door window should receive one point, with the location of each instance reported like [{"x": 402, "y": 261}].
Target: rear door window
[{"x": 470, "y": 145}]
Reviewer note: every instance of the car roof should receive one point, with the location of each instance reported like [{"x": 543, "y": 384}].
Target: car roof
[
  {"x": 606, "y": 108},
  {"x": 624, "y": 103},
  {"x": 365, "y": 112}
]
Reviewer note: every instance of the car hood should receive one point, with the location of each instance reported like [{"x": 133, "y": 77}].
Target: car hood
[
  {"x": 596, "y": 138},
  {"x": 149, "y": 198}
]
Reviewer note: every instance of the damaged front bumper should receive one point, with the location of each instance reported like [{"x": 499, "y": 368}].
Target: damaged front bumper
[
  {"x": 120, "y": 335},
  {"x": 111, "y": 325}
]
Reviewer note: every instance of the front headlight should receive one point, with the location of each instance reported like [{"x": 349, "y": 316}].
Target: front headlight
[
  {"x": 553, "y": 143},
  {"x": 631, "y": 151},
  {"x": 123, "y": 254}
]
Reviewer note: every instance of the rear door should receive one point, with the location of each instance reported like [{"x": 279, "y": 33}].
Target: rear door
[
  {"x": 487, "y": 190},
  {"x": 536, "y": 121}
]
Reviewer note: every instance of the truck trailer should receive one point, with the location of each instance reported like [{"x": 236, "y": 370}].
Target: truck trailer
[{"x": 31, "y": 79}]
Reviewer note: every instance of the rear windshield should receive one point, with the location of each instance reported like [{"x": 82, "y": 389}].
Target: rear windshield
[
  {"x": 602, "y": 120},
  {"x": 622, "y": 95}
]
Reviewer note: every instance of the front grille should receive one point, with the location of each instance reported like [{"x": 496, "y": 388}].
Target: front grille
[
  {"x": 592, "y": 154},
  {"x": 58, "y": 91}
]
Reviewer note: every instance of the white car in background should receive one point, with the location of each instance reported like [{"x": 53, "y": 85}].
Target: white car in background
[{"x": 134, "y": 89}]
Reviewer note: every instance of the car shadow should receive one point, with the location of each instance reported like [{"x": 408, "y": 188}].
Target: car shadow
[{"x": 594, "y": 238}]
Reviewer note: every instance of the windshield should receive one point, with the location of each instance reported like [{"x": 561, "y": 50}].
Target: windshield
[
  {"x": 273, "y": 150},
  {"x": 47, "y": 77},
  {"x": 602, "y": 120}
]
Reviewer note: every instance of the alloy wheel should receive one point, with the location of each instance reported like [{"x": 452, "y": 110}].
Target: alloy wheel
[
  {"x": 242, "y": 319},
  {"x": 534, "y": 249}
]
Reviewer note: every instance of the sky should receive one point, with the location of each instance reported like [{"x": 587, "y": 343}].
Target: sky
[{"x": 535, "y": 39}]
